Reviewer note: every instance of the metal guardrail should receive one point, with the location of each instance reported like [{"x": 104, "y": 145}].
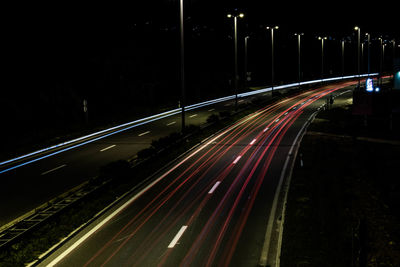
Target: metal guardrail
[
  {"x": 68, "y": 145},
  {"x": 18, "y": 229}
]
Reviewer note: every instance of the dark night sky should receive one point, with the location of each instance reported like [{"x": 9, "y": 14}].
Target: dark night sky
[{"x": 76, "y": 29}]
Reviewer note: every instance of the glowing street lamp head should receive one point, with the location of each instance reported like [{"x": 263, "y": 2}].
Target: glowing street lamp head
[
  {"x": 241, "y": 15},
  {"x": 229, "y": 15},
  {"x": 272, "y": 27},
  {"x": 356, "y": 28}
]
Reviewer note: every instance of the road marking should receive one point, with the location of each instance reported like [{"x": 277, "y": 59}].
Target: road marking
[
  {"x": 107, "y": 148},
  {"x": 214, "y": 187},
  {"x": 286, "y": 113},
  {"x": 194, "y": 115},
  {"x": 211, "y": 109},
  {"x": 252, "y": 142},
  {"x": 144, "y": 133},
  {"x": 176, "y": 238},
  {"x": 227, "y": 105},
  {"x": 52, "y": 170},
  {"x": 237, "y": 159},
  {"x": 277, "y": 120},
  {"x": 266, "y": 129},
  {"x": 135, "y": 197},
  {"x": 240, "y": 101},
  {"x": 169, "y": 124}
]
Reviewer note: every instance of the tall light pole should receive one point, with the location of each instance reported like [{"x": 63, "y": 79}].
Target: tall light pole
[
  {"x": 246, "y": 40},
  {"x": 182, "y": 66},
  {"x": 322, "y": 55},
  {"x": 383, "y": 56},
  {"x": 380, "y": 60},
  {"x": 394, "y": 49},
  {"x": 369, "y": 53},
  {"x": 358, "y": 53},
  {"x": 272, "y": 56},
  {"x": 298, "y": 54},
  {"x": 235, "y": 17},
  {"x": 342, "y": 58}
]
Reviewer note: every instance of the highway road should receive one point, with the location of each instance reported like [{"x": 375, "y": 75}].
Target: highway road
[
  {"x": 212, "y": 207},
  {"x": 29, "y": 186}
]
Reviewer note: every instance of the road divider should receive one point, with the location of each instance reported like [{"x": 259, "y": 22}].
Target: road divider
[{"x": 71, "y": 144}]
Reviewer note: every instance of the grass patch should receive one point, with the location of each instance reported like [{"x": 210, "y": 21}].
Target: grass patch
[{"x": 342, "y": 205}]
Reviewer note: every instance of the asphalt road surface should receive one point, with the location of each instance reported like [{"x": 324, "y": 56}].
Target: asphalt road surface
[
  {"x": 29, "y": 186},
  {"x": 211, "y": 208}
]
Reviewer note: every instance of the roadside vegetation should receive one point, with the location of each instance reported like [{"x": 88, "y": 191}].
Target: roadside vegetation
[{"x": 342, "y": 207}]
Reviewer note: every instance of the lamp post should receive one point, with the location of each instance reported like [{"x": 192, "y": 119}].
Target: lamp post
[
  {"x": 383, "y": 56},
  {"x": 235, "y": 17},
  {"x": 358, "y": 52},
  {"x": 394, "y": 49},
  {"x": 298, "y": 53},
  {"x": 342, "y": 58},
  {"x": 369, "y": 53},
  {"x": 246, "y": 40},
  {"x": 322, "y": 55},
  {"x": 182, "y": 66},
  {"x": 272, "y": 55}
]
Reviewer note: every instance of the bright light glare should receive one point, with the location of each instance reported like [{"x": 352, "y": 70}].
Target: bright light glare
[
  {"x": 241, "y": 15},
  {"x": 126, "y": 126},
  {"x": 356, "y": 28},
  {"x": 369, "y": 85},
  {"x": 377, "y": 89},
  {"x": 229, "y": 15}
]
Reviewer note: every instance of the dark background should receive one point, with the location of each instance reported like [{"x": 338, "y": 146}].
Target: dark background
[{"x": 124, "y": 58}]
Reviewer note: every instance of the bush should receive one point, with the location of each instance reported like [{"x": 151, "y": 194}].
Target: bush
[
  {"x": 145, "y": 153},
  {"x": 213, "y": 118},
  {"x": 117, "y": 169}
]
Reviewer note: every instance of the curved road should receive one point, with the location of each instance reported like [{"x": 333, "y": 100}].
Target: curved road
[{"x": 212, "y": 207}]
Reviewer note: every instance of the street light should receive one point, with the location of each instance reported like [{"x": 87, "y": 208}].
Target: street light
[
  {"x": 246, "y": 40},
  {"x": 342, "y": 58},
  {"x": 322, "y": 55},
  {"x": 235, "y": 16},
  {"x": 182, "y": 66},
  {"x": 298, "y": 53},
  {"x": 358, "y": 53},
  {"x": 369, "y": 54},
  {"x": 272, "y": 55}
]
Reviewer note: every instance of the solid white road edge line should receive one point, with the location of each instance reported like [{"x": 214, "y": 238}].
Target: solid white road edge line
[
  {"x": 178, "y": 235},
  {"x": 267, "y": 241},
  {"x": 107, "y": 148},
  {"x": 52, "y": 170}
]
